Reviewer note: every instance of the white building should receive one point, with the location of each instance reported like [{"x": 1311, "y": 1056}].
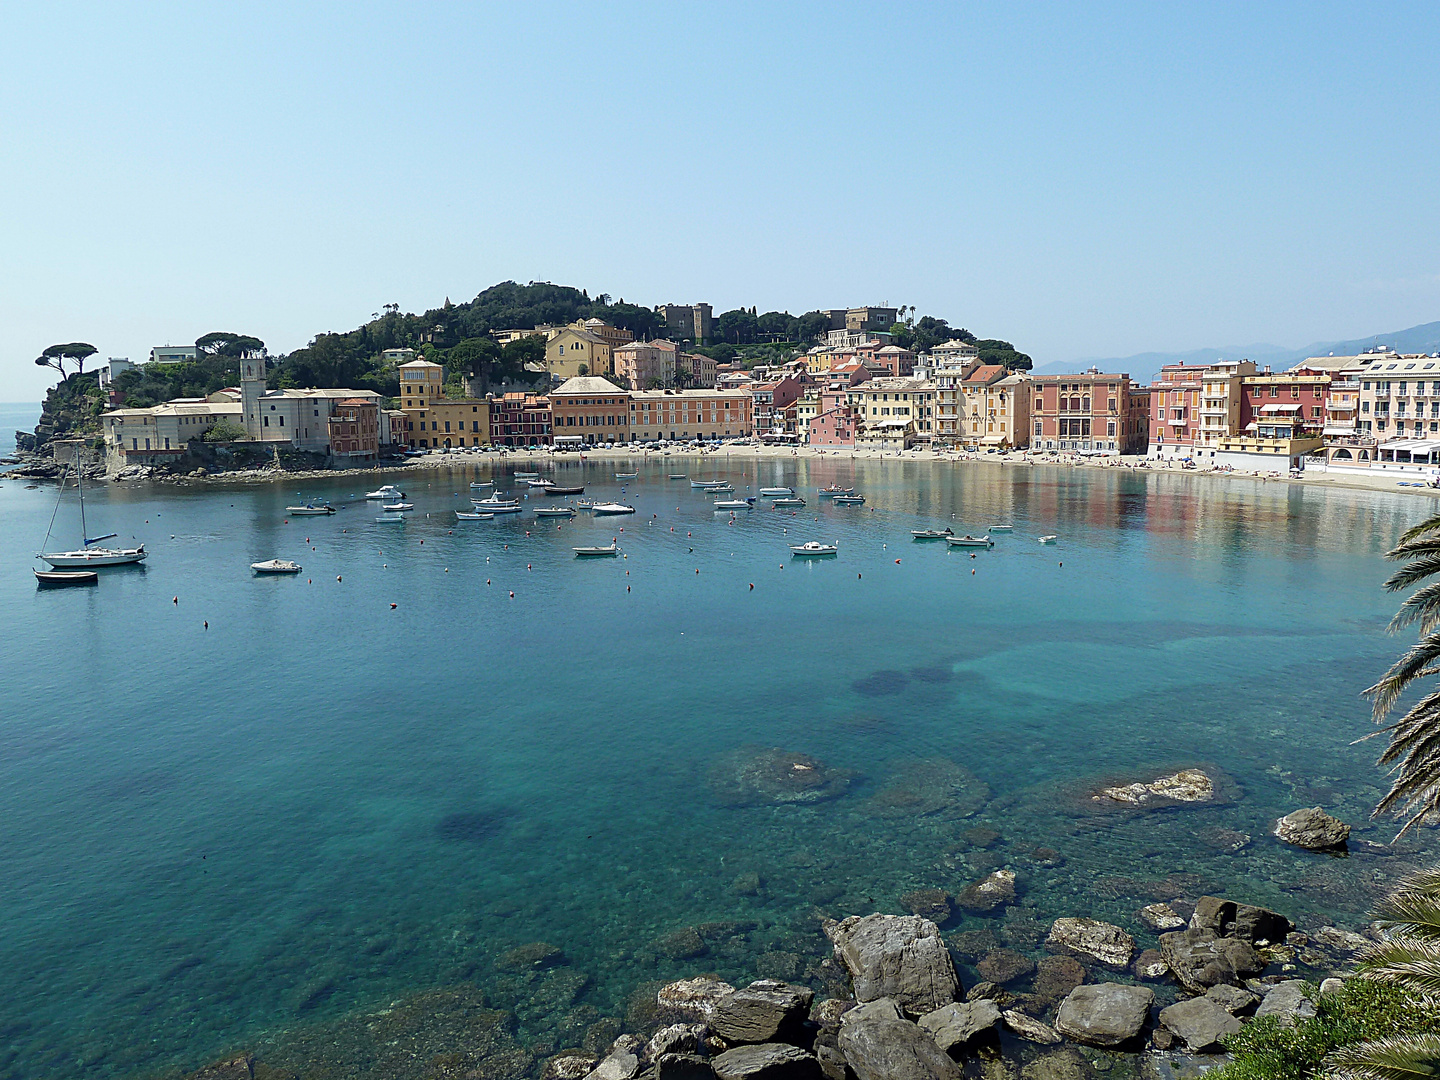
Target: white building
[
  {"x": 174, "y": 354},
  {"x": 163, "y": 431},
  {"x": 299, "y": 417},
  {"x": 115, "y": 365}
]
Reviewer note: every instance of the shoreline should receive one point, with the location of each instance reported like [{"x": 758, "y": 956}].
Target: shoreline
[{"x": 439, "y": 460}]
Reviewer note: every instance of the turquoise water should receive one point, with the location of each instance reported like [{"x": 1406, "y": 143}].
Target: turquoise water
[{"x": 322, "y": 803}]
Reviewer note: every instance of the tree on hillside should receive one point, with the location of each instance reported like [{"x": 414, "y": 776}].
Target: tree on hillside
[
  {"x": 77, "y": 352},
  {"x": 810, "y": 326},
  {"x": 738, "y": 327},
  {"x": 233, "y": 346},
  {"x": 519, "y": 353},
  {"x": 994, "y": 351}
]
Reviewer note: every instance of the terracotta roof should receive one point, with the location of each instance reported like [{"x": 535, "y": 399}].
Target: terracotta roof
[{"x": 986, "y": 374}]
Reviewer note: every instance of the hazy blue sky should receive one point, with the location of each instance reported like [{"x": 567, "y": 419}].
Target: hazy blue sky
[{"x": 1080, "y": 179}]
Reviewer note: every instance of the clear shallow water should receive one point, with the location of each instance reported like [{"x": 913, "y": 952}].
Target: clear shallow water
[{"x": 319, "y": 804}]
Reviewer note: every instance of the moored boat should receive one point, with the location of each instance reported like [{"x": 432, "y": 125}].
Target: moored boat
[
  {"x": 970, "y": 541},
  {"x": 593, "y": 552},
  {"x": 1048, "y": 539},
  {"x": 92, "y": 556},
  {"x": 931, "y": 534},
  {"x": 553, "y": 490},
  {"x": 704, "y": 484},
  {"x": 848, "y": 500},
  {"x": 389, "y": 493},
  {"x": 612, "y": 508},
  {"x": 814, "y": 549},
  {"x": 53, "y": 578},
  {"x": 777, "y": 491},
  {"x": 679, "y": 476},
  {"x": 835, "y": 489},
  {"x": 496, "y": 505},
  {"x": 540, "y": 483},
  {"x": 481, "y": 485},
  {"x": 1002, "y": 528},
  {"x": 626, "y": 475},
  {"x": 387, "y": 519},
  {"x": 735, "y": 504},
  {"x": 398, "y": 506},
  {"x": 310, "y": 509},
  {"x": 525, "y": 475},
  {"x": 555, "y": 511},
  {"x": 276, "y": 566},
  {"x": 792, "y": 500},
  {"x": 476, "y": 516}
]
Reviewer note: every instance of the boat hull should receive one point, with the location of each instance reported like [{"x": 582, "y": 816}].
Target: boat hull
[
  {"x": 595, "y": 553},
  {"x": 52, "y": 579},
  {"x": 309, "y": 511},
  {"x": 565, "y": 490},
  {"x": 970, "y": 541},
  {"x": 276, "y": 566},
  {"x": 602, "y": 510},
  {"x": 92, "y": 557}
]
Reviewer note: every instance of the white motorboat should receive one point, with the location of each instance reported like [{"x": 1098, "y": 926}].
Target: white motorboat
[
  {"x": 626, "y": 475},
  {"x": 525, "y": 475},
  {"x": 555, "y": 511},
  {"x": 814, "y": 549},
  {"x": 1002, "y": 528},
  {"x": 612, "y": 508},
  {"x": 970, "y": 541},
  {"x": 481, "y": 485},
  {"x": 931, "y": 534},
  {"x": 835, "y": 489},
  {"x": 477, "y": 516},
  {"x": 777, "y": 491},
  {"x": 592, "y": 552},
  {"x": 1048, "y": 539},
  {"x": 389, "y": 493},
  {"x": 848, "y": 500},
  {"x": 387, "y": 519},
  {"x": 310, "y": 509},
  {"x": 791, "y": 500},
  {"x": 706, "y": 484},
  {"x": 398, "y": 506},
  {"x": 87, "y": 557},
  {"x": 735, "y": 504},
  {"x": 276, "y": 566},
  {"x": 540, "y": 483},
  {"x": 496, "y": 505}
]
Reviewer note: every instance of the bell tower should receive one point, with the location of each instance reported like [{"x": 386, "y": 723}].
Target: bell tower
[{"x": 252, "y": 386}]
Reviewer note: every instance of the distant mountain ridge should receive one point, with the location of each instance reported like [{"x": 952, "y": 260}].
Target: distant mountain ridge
[{"x": 1142, "y": 367}]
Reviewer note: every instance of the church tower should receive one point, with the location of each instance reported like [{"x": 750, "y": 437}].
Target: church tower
[{"x": 252, "y": 387}]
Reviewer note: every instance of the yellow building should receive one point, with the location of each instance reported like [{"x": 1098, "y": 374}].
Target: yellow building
[
  {"x": 881, "y": 401},
  {"x": 997, "y": 409},
  {"x": 573, "y": 348},
  {"x": 433, "y": 420},
  {"x": 420, "y": 382}
]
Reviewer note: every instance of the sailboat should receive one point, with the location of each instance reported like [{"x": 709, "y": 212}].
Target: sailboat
[{"x": 85, "y": 556}]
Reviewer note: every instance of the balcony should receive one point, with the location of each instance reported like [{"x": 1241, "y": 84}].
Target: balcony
[{"x": 1345, "y": 384}]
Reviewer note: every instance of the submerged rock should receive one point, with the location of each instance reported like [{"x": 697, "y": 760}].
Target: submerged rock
[
  {"x": 1150, "y": 965},
  {"x": 882, "y": 1049},
  {"x": 751, "y": 777},
  {"x": 1161, "y": 917},
  {"x": 1104, "y": 1014},
  {"x": 1057, "y": 976},
  {"x": 1030, "y": 1029},
  {"x": 919, "y": 787},
  {"x": 1005, "y": 965},
  {"x": 932, "y": 904},
  {"x": 1313, "y": 830},
  {"x": 1185, "y": 786},
  {"x": 537, "y": 954},
  {"x": 683, "y": 944},
  {"x": 897, "y": 956},
  {"x": 1100, "y": 941},
  {"x": 994, "y": 890}
]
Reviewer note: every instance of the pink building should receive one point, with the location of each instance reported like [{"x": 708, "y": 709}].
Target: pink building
[
  {"x": 1175, "y": 410},
  {"x": 897, "y": 361}
]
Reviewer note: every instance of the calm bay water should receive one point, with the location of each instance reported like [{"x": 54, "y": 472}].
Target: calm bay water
[
  {"x": 320, "y": 803},
  {"x": 15, "y": 416}
]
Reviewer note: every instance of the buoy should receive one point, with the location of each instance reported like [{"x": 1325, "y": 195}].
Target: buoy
[
  {"x": 337, "y": 577},
  {"x": 393, "y": 606},
  {"x": 1062, "y": 564},
  {"x": 859, "y": 576},
  {"x": 207, "y": 624},
  {"x": 512, "y": 594},
  {"x": 529, "y": 567},
  {"x": 897, "y": 562},
  {"x": 972, "y": 573},
  {"x": 175, "y": 600},
  {"x": 487, "y": 581},
  {"x": 310, "y": 581},
  {"x": 752, "y": 586},
  {"x": 422, "y": 541},
  {"x": 627, "y": 588},
  {"x": 172, "y": 536},
  {"x": 447, "y": 569},
  {"x": 697, "y": 569}
]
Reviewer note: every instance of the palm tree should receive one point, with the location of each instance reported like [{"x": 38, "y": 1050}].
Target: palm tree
[
  {"x": 1414, "y": 750},
  {"x": 1410, "y": 959}
]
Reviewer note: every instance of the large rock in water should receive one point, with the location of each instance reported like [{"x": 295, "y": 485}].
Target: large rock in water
[
  {"x": 881, "y": 1049},
  {"x": 1185, "y": 786},
  {"x": 919, "y": 787},
  {"x": 1100, "y": 941},
  {"x": 694, "y": 998},
  {"x": 896, "y": 956},
  {"x": 766, "y": 1061},
  {"x": 1104, "y": 1014},
  {"x": 1229, "y": 919},
  {"x": 1199, "y": 1023},
  {"x": 1200, "y": 959},
  {"x": 952, "y": 1026},
  {"x": 765, "y": 1011},
  {"x": 1312, "y": 829},
  {"x": 995, "y": 889},
  {"x": 754, "y": 777}
]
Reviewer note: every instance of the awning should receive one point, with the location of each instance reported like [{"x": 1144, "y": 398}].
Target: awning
[
  {"x": 1279, "y": 408},
  {"x": 1413, "y": 446},
  {"x": 1338, "y": 430}
]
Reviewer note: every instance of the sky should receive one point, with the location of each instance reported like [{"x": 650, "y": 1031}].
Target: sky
[{"x": 1080, "y": 179}]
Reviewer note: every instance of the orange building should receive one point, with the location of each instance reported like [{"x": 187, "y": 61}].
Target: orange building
[{"x": 354, "y": 428}]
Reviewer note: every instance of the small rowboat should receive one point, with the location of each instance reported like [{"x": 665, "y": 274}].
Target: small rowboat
[
  {"x": 735, "y": 504},
  {"x": 540, "y": 483},
  {"x": 555, "y": 511},
  {"x": 777, "y": 491},
  {"x": 849, "y": 500},
  {"x": 833, "y": 490},
  {"x": 931, "y": 534},
  {"x": 388, "y": 519},
  {"x": 309, "y": 509},
  {"x": 1048, "y": 539},
  {"x": 1002, "y": 528},
  {"x": 790, "y": 500},
  {"x": 481, "y": 485},
  {"x": 813, "y": 549},
  {"x": 553, "y": 490},
  {"x": 526, "y": 475},
  {"x": 398, "y": 506},
  {"x": 679, "y": 476},
  {"x": 626, "y": 475},
  {"x": 53, "y": 578},
  {"x": 276, "y": 566},
  {"x": 707, "y": 484},
  {"x": 970, "y": 541},
  {"x": 595, "y": 552},
  {"x": 477, "y": 516}
]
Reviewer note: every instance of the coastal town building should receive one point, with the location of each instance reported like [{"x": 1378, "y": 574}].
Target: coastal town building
[
  {"x": 355, "y": 429},
  {"x": 831, "y": 420},
  {"x": 115, "y": 365},
  {"x": 174, "y": 354},
  {"x": 519, "y": 420},
  {"x": 896, "y": 361},
  {"x": 300, "y": 417},
  {"x": 646, "y": 365},
  {"x": 396, "y": 357},
  {"x": 449, "y": 422},
  {"x": 954, "y": 351},
  {"x": 161, "y": 433},
  {"x": 695, "y": 371},
  {"x": 576, "y": 351},
  {"x": 1220, "y": 405},
  {"x": 870, "y": 319},
  {"x": 421, "y": 381},
  {"x": 881, "y": 402},
  {"x": 691, "y": 414},
  {"x": 976, "y": 400},
  {"x": 688, "y": 322},
  {"x": 588, "y": 409},
  {"x": 505, "y": 337},
  {"x": 1282, "y": 416},
  {"x": 1175, "y": 396},
  {"x": 772, "y": 403},
  {"x": 1090, "y": 413}
]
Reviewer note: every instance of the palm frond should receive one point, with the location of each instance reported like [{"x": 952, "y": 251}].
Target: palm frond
[
  {"x": 1413, "y": 664},
  {"x": 1428, "y": 525},
  {"x": 1422, "y": 605},
  {"x": 1423, "y": 563},
  {"x": 1412, "y": 911},
  {"x": 1400, "y": 1057},
  {"x": 1414, "y": 754},
  {"x": 1415, "y": 965}
]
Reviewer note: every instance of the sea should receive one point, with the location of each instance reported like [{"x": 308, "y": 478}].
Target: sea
[
  {"x": 16, "y": 416},
  {"x": 235, "y": 809}
]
